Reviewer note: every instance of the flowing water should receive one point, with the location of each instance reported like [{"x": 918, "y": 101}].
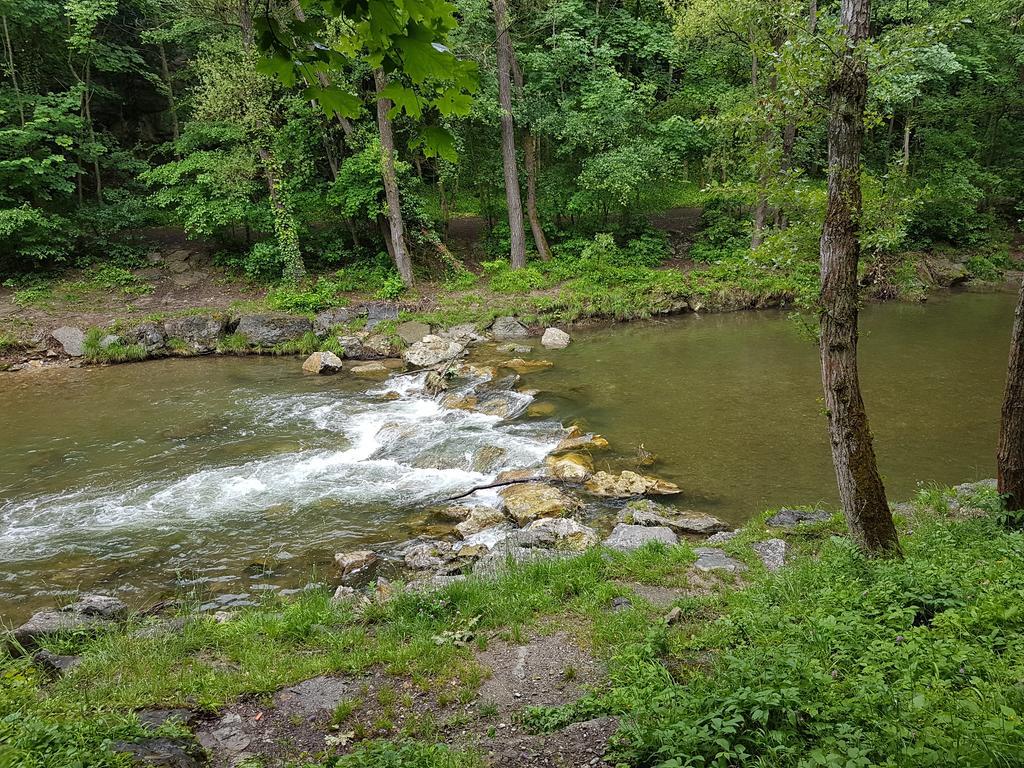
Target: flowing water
[{"x": 232, "y": 476}]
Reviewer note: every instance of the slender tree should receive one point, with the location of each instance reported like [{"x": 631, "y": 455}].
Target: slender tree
[
  {"x": 860, "y": 486},
  {"x": 508, "y": 138},
  {"x": 396, "y": 225},
  {"x": 1011, "y": 432}
]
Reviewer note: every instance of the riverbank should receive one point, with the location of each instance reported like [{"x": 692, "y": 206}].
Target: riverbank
[
  {"x": 183, "y": 304},
  {"x": 625, "y": 657}
]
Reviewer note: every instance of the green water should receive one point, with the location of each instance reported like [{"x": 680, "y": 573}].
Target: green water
[{"x": 236, "y": 477}]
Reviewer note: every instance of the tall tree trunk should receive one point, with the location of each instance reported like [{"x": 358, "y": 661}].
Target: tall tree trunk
[
  {"x": 517, "y": 234},
  {"x": 12, "y": 70},
  {"x": 165, "y": 73},
  {"x": 860, "y": 486},
  {"x": 906, "y": 144},
  {"x": 399, "y": 246},
  {"x": 1011, "y": 432},
  {"x": 87, "y": 114},
  {"x": 532, "y": 155}
]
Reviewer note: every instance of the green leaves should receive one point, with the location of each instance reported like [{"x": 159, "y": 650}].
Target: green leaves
[{"x": 334, "y": 100}]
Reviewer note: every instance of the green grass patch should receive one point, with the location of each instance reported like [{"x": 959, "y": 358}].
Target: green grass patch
[{"x": 102, "y": 346}]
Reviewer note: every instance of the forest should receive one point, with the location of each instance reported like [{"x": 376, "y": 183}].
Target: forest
[{"x": 263, "y": 129}]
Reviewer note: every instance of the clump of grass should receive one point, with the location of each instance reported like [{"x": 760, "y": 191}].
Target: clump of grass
[
  {"x": 233, "y": 344},
  {"x": 179, "y": 347},
  {"x": 307, "y": 344},
  {"x": 100, "y": 346}
]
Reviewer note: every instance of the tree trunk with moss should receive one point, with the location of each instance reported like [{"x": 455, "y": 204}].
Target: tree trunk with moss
[{"x": 860, "y": 486}]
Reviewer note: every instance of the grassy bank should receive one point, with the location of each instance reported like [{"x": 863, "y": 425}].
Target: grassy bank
[{"x": 835, "y": 660}]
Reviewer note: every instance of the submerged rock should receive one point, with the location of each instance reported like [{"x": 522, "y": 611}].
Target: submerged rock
[
  {"x": 555, "y": 338},
  {"x": 88, "y": 614},
  {"x": 526, "y": 502},
  {"x": 508, "y": 328},
  {"x": 322, "y": 363},
  {"x": 627, "y": 484},
  {"x": 432, "y": 350},
  {"x": 626, "y": 538},
  {"x": 519, "y": 365},
  {"x": 646, "y": 512},
  {"x": 789, "y": 518},
  {"x": 267, "y": 329},
  {"x": 370, "y": 369},
  {"x": 514, "y": 349},
  {"x": 70, "y": 339},
  {"x": 577, "y": 441},
  {"x": 199, "y": 333},
  {"x": 353, "y": 562}
]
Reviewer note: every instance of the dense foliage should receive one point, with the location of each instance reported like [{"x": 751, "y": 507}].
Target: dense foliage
[{"x": 254, "y": 126}]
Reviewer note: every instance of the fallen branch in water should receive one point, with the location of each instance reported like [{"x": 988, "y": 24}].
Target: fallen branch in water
[{"x": 500, "y": 483}]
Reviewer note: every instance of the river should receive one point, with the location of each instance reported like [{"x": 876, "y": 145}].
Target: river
[{"x": 225, "y": 478}]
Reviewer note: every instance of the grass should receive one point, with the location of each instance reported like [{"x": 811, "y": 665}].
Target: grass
[
  {"x": 102, "y": 346},
  {"x": 837, "y": 660}
]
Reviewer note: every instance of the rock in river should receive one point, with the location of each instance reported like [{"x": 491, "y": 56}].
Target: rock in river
[
  {"x": 571, "y": 467},
  {"x": 519, "y": 365},
  {"x": 526, "y": 502},
  {"x": 370, "y": 369},
  {"x": 627, "y": 538},
  {"x": 687, "y": 521},
  {"x": 432, "y": 350},
  {"x": 412, "y": 332},
  {"x": 577, "y": 441},
  {"x": 627, "y": 484},
  {"x": 555, "y": 338},
  {"x": 479, "y": 519},
  {"x": 355, "y": 561},
  {"x": 267, "y": 329},
  {"x": 322, "y": 363}
]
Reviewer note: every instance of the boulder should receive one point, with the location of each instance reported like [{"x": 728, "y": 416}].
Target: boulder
[
  {"x": 479, "y": 519},
  {"x": 570, "y": 467},
  {"x": 322, "y": 363},
  {"x": 465, "y": 334},
  {"x": 485, "y": 540},
  {"x": 508, "y": 328},
  {"x": 519, "y": 365},
  {"x": 581, "y": 442},
  {"x": 558, "y": 532},
  {"x": 380, "y": 313},
  {"x": 525, "y": 502},
  {"x": 412, "y": 331},
  {"x": 324, "y": 321},
  {"x": 456, "y": 512},
  {"x": 148, "y": 335},
  {"x": 199, "y": 333},
  {"x": 370, "y": 369},
  {"x": 711, "y": 559},
  {"x": 352, "y": 347},
  {"x": 377, "y": 346},
  {"x": 790, "y": 518},
  {"x": 345, "y": 594},
  {"x": 944, "y": 273},
  {"x": 723, "y": 537},
  {"x": 772, "y": 553},
  {"x": 55, "y": 664},
  {"x": 627, "y": 484},
  {"x": 646, "y": 512},
  {"x": 268, "y": 329},
  {"x": 554, "y": 338},
  {"x": 70, "y": 339},
  {"x": 428, "y": 555},
  {"x": 88, "y": 614},
  {"x": 355, "y": 561},
  {"x": 432, "y": 350},
  {"x": 627, "y": 538}
]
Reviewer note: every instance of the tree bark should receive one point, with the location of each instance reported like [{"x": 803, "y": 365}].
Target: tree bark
[
  {"x": 399, "y": 246},
  {"x": 165, "y": 73},
  {"x": 9, "y": 50},
  {"x": 532, "y": 155},
  {"x": 517, "y": 234},
  {"x": 1010, "y": 459},
  {"x": 860, "y": 486}
]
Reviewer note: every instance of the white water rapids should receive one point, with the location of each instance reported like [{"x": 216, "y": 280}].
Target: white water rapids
[{"x": 361, "y": 464}]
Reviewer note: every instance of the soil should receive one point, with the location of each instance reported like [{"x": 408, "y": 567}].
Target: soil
[{"x": 304, "y": 721}]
